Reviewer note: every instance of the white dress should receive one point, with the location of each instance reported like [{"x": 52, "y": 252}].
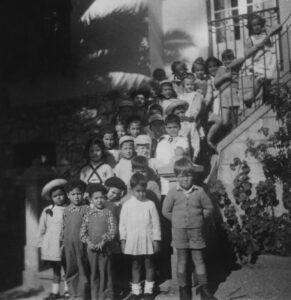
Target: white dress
[
  {"x": 50, "y": 227},
  {"x": 139, "y": 226}
]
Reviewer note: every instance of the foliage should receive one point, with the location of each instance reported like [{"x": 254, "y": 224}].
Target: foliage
[{"x": 250, "y": 222}]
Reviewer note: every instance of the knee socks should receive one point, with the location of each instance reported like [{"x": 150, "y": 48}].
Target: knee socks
[
  {"x": 55, "y": 288},
  {"x": 148, "y": 287},
  {"x": 136, "y": 288}
]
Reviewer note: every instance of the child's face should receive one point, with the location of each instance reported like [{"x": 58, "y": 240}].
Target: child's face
[
  {"x": 157, "y": 127},
  {"x": 212, "y": 68},
  {"x": 120, "y": 130},
  {"x": 180, "y": 70},
  {"x": 179, "y": 112},
  {"x": 199, "y": 71},
  {"x": 95, "y": 153},
  {"x": 75, "y": 196},
  {"x": 114, "y": 194},
  {"x": 172, "y": 129},
  {"x": 256, "y": 26},
  {"x": 227, "y": 60},
  {"x": 188, "y": 84},
  {"x": 108, "y": 140},
  {"x": 142, "y": 171},
  {"x": 139, "y": 191},
  {"x": 126, "y": 150},
  {"x": 185, "y": 180},
  {"x": 134, "y": 129},
  {"x": 143, "y": 150},
  {"x": 58, "y": 197},
  {"x": 98, "y": 199},
  {"x": 139, "y": 100},
  {"x": 167, "y": 91}
]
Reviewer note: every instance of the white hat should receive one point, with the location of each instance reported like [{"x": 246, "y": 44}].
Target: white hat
[
  {"x": 45, "y": 193},
  {"x": 142, "y": 139},
  {"x": 174, "y": 104}
]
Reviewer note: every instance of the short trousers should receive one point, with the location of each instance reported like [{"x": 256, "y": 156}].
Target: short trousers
[{"x": 184, "y": 238}]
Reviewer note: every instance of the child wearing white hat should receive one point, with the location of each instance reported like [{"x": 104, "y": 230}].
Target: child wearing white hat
[{"x": 50, "y": 226}]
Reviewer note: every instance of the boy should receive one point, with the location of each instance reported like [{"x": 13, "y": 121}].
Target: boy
[
  {"x": 134, "y": 126},
  {"x": 123, "y": 167},
  {"x": 75, "y": 253},
  {"x": 97, "y": 231},
  {"x": 125, "y": 111},
  {"x": 171, "y": 147},
  {"x": 155, "y": 130},
  {"x": 187, "y": 206},
  {"x": 171, "y": 144},
  {"x": 188, "y": 130}
]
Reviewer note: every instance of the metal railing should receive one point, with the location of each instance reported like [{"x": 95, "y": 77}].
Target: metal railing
[{"x": 225, "y": 36}]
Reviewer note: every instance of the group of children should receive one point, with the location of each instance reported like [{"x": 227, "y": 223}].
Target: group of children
[{"x": 109, "y": 220}]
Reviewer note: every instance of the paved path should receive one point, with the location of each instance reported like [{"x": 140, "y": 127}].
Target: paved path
[{"x": 268, "y": 279}]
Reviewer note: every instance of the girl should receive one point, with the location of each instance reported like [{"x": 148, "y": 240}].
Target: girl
[
  {"x": 261, "y": 49},
  {"x": 212, "y": 100},
  {"x": 201, "y": 79},
  {"x": 98, "y": 229},
  {"x": 186, "y": 206},
  {"x": 96, "y": 170},
  {"x": 140, "y": 235},
  {"x": 109, "y": 139},
  {"x": 50, "y": 226}
]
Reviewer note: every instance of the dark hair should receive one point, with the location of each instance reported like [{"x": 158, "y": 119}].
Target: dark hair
[
  {"x": 138, "y": 179},
  {"x": 96, "y": 187},
  {"x": 120, "y": 122},
  {"x": 227, "y": 53},
  {"x": 198, "y": 61},
  {"x": 134, "y": 119},
  {"x": 212, "y": 59},
  {"x": 75, "y": 183},
  {"x": 177, "y": 63},
  {"x": 90, "y": 143},
  {"x": 172, "y": 119},
  {"x": 157, "y": 107},
  {"x": 109, "y": 130},
  {"x": 183, "y": 166},
  {"x": 139, "y": 162},
  {"x": 55, "y": 188},
  {"x": 159, "y": 74},
  {"x": 188, "y": 76},
  {"x": 250, "y": 20}
]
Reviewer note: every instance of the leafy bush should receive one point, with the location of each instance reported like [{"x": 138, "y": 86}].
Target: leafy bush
[{"x": 250, "y": 223}]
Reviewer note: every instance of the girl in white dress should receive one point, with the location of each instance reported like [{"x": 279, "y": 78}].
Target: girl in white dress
[{"x": 140, "y": 235}]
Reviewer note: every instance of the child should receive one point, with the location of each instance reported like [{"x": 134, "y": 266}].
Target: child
[
  {"x": 194, "y": 99},
  {"x": 155, "y": 130},
  {"x": 159, "y": 75},
  {"x": 188, "y": 129},
  {"x": 134, "y": 126},
  {"x": 125, "y": 111},
  {"x": 109, "y": 139},
  {"x": 140, "y": 165},
  {"x": 120, "y": 266},
  {"x": 140, "y": 235},
  {"x": 123, "y": 168},
  {"x": 187, "y": 206},
  {"x": 179, "y": 69},
  {"x": 96, "y": 170},
  {"x": 201, "y": 79},
  {"x": 212, "y": 100},
  {"x": 165, "y": 153},
  {"x": 170, "y": 148},
  {"x": 75, "y": 252},
  {"x": 98, "y": 229},
  {"x": 155, "y": 109},
  {"x": 50, "y": 226},
  {"x": 226, "y": 81},
  {"x": 263, "y": 62},
  {"x": 167, "y": 93},
  {"x": 120, "y": 129},
  {"x": 139, "y": 98}
]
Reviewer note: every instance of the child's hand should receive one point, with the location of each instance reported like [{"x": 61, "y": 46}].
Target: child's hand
[
  {"x": 123, "y": 246},
  {"x": 156, "y": 246},
  {"x": 100, "y": 246}
]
